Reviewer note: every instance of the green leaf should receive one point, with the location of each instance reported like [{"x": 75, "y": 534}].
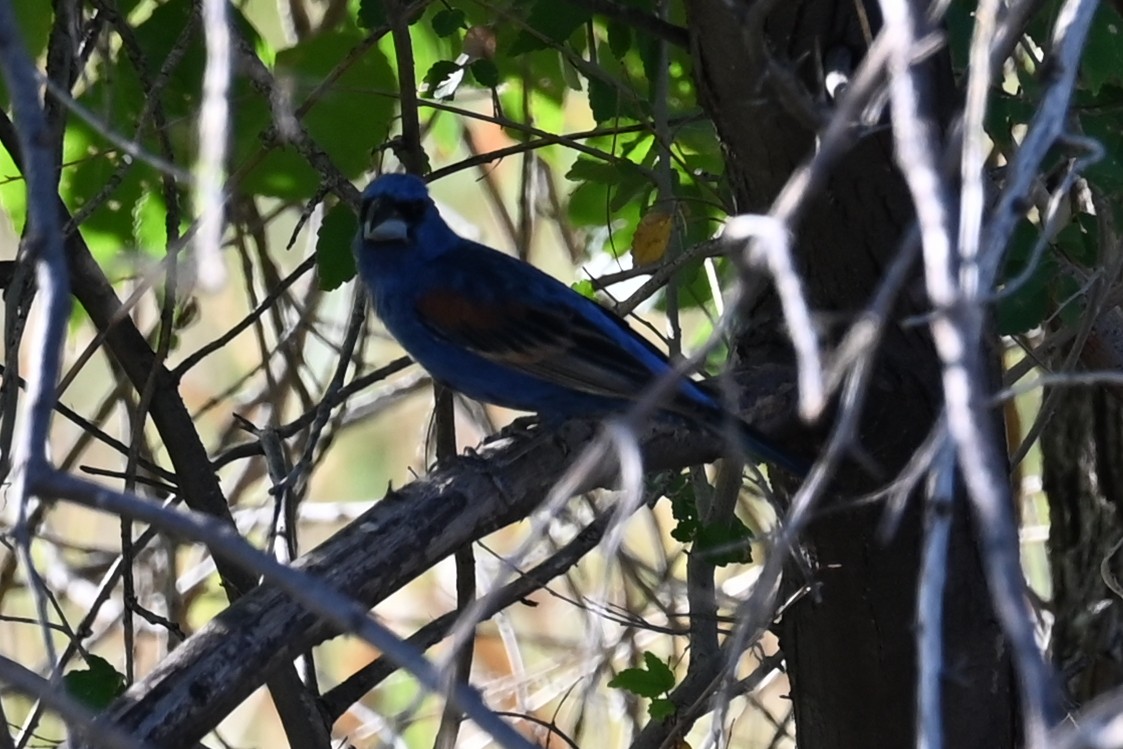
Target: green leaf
[
  {"x": 283, "y": 173},
  {"x": 587, "y": 168},
  {"x": 1068, "y": 298},
  {"x": 355, "y": 101},
  {"x": 624, "y": 181},
  {"x": 587, "y": 206},
  {"x": 684, "y": 508},
  {"x": 157, "y": 37},
  {"x": 372, "y": 14},
  {"x": 13, "y": 192},
  {"x": 1004, "y": 113},
  {"x": 335, "y": 265},
  {"x": 553, "y": 21},
  {"x": 661, "y": 708},
  {"x": 619, "y": 38},
  {"x": 545, "y": 84},
  {"x": 125, "y": 7},
  {"x": 150, "y": 217},
  {"x": 1102, "y": 60},
  {"x": 660, "y": 671},
  {"x": 111, "y": 225},
  {"x": 352, "y": 116},
  {"x": 652, "y": 681},
  {"x": 97, "y": 686},
  {"x": 35, "y": 21},
  {"x": 637, "y": 681},
  {"x": 629, "y": 179},
  {"x": 960, "y": 22},
  {"x": 1020, "y": 250},
  {"x": 604, "y": 100},
  {"x": 1025, "y": 307},
  {"x": 719, "y": 543},
  {"x": 648, "y": 48},
  {"x": 485, "y": 73},
  {"x": 1106, "y": 127},
  {"x": 609, "y": 98},
  {"x": 1080, "y": 240},
  {"x": 724, "y": 543},
  {"x": 448, "y": 21},
  {"x": 585, "y": 288},
  {"x": 701, "y": 152},
  {"x": 633, "y": 183}
]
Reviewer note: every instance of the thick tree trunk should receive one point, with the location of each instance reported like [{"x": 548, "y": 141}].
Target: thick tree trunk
[
  {"x": 1084, "y": 481},
  {"x": 851, "y": 645}
]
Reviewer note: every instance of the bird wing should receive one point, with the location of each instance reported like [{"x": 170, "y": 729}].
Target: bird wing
[{"x": 576, "y": 348}]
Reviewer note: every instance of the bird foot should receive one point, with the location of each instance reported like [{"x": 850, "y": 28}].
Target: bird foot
[{"x": 524, "y": 426}]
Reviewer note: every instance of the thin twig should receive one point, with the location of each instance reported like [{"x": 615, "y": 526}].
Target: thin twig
[{"x": 930, "y": 602}]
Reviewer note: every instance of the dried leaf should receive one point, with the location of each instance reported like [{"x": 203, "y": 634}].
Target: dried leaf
[{"x": 652, "y": 236}]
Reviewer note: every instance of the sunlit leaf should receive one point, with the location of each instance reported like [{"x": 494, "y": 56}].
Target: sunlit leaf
[
  {"x": 653, "y": 680},
  {"x": 652, "y": 236},
  {"x": 585, "y": 288},
  {"x": 348, "y": 120}
]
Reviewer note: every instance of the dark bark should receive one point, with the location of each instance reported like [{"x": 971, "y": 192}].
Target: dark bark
[
  {"x": 850, "y": 647},
  {"x": 1081, "y": 474}
]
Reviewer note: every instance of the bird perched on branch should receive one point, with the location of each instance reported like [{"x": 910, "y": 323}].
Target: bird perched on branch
[{"x": 501, "y": 331}]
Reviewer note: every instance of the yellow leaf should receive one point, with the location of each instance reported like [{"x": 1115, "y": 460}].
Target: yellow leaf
[{"x": 652, "y": 236}]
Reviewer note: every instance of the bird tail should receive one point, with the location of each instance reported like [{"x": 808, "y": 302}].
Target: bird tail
[
  {"x": 730, "y": 426},
  {"x": 758, "y": 446}
]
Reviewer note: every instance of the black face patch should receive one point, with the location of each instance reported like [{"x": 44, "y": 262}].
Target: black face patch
[{"x": 386, "y": 220}]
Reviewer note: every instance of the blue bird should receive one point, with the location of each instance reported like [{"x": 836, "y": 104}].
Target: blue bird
[{"x": 501, "y": 331}]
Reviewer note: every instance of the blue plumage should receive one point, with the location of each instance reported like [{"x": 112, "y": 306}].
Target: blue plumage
[{"x": 501, "y": 331}]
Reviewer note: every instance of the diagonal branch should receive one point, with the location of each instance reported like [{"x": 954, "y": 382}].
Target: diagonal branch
[{"x": 393, "y": 542}]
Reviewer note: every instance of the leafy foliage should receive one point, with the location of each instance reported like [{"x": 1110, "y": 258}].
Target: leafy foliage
[
  {"x": 653, "y": 680},
  {"x": 335, "y": 265},
  {"x": 97, "y": 686},
  {"x": 721, "y": 542},
  {"x": 1031, "y": 296}
]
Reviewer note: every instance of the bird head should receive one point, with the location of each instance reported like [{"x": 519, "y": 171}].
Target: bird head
[{"x": 393, "y": 206}]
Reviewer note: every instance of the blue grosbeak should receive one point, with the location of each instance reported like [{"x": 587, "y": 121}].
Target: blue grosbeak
[{"x": 501, "y": 331}]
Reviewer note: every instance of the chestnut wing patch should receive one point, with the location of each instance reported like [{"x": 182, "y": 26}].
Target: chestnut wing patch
[{"x": 557, "y": 345}]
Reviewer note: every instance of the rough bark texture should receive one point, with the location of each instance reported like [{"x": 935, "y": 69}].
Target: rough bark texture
[
  {"x": 850, "y": 648},
  {"x": 1084, "y": 481},
  {"x": 398, "y": 538}
]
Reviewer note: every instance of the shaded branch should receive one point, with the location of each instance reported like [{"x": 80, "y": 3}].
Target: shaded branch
[{"x": 397, "y": 539}]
